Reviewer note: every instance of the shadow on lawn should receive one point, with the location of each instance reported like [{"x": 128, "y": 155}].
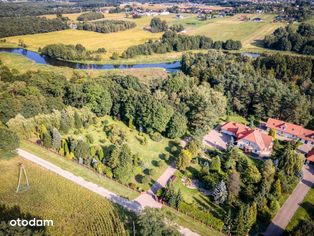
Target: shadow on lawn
[{"x": 13, "y": 213}]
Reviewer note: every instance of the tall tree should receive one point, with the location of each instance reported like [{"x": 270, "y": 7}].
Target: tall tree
[{"x": 9, "y": 141}]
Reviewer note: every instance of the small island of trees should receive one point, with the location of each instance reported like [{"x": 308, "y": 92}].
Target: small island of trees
[{"x": 88, "y": 16}]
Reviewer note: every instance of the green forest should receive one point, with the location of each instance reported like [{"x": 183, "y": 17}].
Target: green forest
[
  {"x": 88, "y": 16},
  {"x": 106, "y": 26},
  {"x": 11, "y": 26},
  {"x": 298, "y": 39},
  {"x": 270, "y": 86},
  {"x": 171, "y": 41}
]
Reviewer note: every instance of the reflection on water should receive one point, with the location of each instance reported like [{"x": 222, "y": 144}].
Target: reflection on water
[{"x": 41, "y": 59}]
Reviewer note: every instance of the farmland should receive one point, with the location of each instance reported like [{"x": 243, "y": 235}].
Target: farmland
[
  {"x": 52, "y": 197},
  {"x": 234, "y": 27}
]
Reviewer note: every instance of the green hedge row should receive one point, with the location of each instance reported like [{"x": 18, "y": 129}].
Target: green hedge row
[{"x": 204, "y": 217}]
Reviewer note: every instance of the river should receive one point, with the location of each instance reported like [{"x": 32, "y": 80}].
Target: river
[{"x": 41, "y": 59}]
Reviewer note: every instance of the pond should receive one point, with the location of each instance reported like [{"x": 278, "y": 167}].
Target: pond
[{"x": 41, "y": 59}]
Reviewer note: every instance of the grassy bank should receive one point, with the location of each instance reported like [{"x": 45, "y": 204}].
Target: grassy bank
[{"x": 23, "y": 64}]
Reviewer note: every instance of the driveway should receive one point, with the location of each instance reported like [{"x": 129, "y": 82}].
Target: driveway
[
  {"x": 148, "y": 198},
  {"x": 285, "y": 214},
  {"x": 216, "y": 139}
]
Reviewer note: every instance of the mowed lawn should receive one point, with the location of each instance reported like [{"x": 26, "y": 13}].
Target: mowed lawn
[
  {"x": 304, "y": 212},
  {"x": 149, "y": 153},
  {"x": 73, "y": 209},
  {"x": 248, "y": 32}
]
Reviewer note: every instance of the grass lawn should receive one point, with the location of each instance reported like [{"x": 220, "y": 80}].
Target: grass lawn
[
  {"x": 188, "y": 222},
  {"x": 73, "y": 209},
  {"x": 23, "y": 64},
  {"x": 304, "y": 212},
  {"x": 196, "y": 197},
  {"x": 248, "y": 32},
  {"x": 79, "y": 170},
  {"x": 149, "y": 152},
  {"x": 235, "y": 118}
]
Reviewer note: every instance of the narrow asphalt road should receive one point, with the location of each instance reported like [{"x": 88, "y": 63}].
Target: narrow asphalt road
[
  {"x": 285, "y": 214},
  {"x": 145, "y": 199}
]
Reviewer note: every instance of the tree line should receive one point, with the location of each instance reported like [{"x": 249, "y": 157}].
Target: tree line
[
  {"x": 173, "y": 108},
  {"x": 290, "y": 39},
  {"x": 11, "y": 26},
  {"x": 70, "y": 52},
  {"x": 171, "y": 41},
  {"x": 88, "y": 16},
  {"x": 271, "y": 86},
  {"x": 106, "y": 26}
]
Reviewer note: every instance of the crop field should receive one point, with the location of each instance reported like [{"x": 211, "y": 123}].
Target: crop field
[
  {"x": 73, "y": 209},
  {"x": 79, "y": 170},
  {"x": 247, "y": 31}
]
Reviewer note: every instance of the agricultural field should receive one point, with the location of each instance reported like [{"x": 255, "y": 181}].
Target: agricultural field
[
  {"x": 73, "y": 209},
  {"x": 79, "y": 170},
  {"x": 250, "y": 33}
]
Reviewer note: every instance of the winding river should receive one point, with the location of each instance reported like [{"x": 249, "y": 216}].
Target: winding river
[{"x": 41, "y": 59}]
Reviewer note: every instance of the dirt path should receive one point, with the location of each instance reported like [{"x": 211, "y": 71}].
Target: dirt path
[
  {"x": 144, "y": 200},
  {"x": 285, "y": 214}
]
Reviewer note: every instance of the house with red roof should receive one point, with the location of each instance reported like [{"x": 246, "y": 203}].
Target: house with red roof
[
  {"x": 250, "y": 140},
  {"x": 310, "y": 156},
  {"x": 291, "y": 131}
]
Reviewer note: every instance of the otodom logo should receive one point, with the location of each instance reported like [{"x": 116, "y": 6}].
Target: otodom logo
[{"x": 33, "y": 222}]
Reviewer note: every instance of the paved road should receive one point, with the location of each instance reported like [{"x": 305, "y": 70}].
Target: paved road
[
  {"x": 137, "y": 205},
  {"x": 284, "y": 215}
]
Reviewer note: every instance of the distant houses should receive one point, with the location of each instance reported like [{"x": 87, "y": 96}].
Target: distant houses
[
  {"x": 290, "y": 131},
  {"x": 250, "y": 140},
  {"x": 257, "y": 141}
]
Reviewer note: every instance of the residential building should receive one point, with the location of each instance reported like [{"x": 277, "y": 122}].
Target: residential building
[
  {"x": 310, "y": 156},
  {"x": 250, "y": 140},
  {"x": 291, "y": 131}
]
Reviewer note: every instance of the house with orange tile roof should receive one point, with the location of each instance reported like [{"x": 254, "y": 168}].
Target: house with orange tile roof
[
  {"x": 291, "y": 131},
  {"x": 310, "y": 156},
  {"x": 250, "y": 140}
]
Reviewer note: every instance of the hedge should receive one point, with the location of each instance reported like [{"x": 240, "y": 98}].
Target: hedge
[{"x": 204, "y": 217}]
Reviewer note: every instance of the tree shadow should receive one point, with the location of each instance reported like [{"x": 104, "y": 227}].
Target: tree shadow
[
  {"x": 139, "y": 178},
  {"x": 309, "y": 208},
  {"x": 258, "y": 43},
  {"x": 13, "y": 213},
  {"x": 155, "y": 163}
]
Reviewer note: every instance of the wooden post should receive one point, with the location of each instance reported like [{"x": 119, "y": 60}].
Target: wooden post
[{"x": 22, "y": 171}]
